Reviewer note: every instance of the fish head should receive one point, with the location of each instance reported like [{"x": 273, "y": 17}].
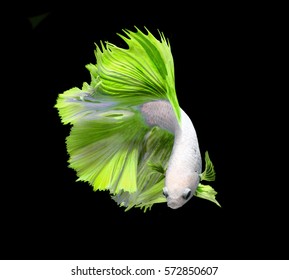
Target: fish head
[{"x": 179, "y": 191}]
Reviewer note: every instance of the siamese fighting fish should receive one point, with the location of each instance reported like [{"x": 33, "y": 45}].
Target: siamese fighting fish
[{"x": 129, "y": 135}]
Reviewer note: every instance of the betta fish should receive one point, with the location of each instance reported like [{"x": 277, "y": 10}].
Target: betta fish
[{"x": 129, "y": 135}]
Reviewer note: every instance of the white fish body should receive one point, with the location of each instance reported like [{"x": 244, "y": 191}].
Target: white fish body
[{"x": 184, "y": 167}]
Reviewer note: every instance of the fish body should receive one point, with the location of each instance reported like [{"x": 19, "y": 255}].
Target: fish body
[{"x": 185, "y": 164}]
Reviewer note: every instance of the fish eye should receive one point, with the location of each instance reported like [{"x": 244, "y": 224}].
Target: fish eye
[
  {"x": 187, "y": 193},
  {"x": 165, "y": 192}
]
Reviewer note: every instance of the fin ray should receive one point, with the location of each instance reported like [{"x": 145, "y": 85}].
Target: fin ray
[
  {"x": 106, "y": 157},
  {"x": 144, "y": 72}
]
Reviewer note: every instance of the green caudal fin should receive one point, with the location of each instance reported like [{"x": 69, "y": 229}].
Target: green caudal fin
[
  {"x": 105, "y": 151},
  {"x": 110, "y": 146}
]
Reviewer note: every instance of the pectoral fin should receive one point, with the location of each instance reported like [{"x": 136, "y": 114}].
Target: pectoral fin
[
  {"x": 209, "y": 174},
  {"x": 206, "y": 192}
]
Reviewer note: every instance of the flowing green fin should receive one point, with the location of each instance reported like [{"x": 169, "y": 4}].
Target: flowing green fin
[
  {"x": 206, "y": 192},
  {"x": 209, "y": 173},
  {"x": 130, "y": 165},
  {"x": 109, "y": 145},
  {"x": 77, "y": 105},
  {"x": 103, "y": 155},
  {"x": 157, "y": 148},
  {"x": 143, "y": 72}
]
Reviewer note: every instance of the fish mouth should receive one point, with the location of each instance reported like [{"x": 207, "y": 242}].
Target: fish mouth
[{"x": 173, "y": 204}]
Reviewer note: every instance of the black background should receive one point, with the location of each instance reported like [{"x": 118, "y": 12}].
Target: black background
[{"x": 220, "y": 54}]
